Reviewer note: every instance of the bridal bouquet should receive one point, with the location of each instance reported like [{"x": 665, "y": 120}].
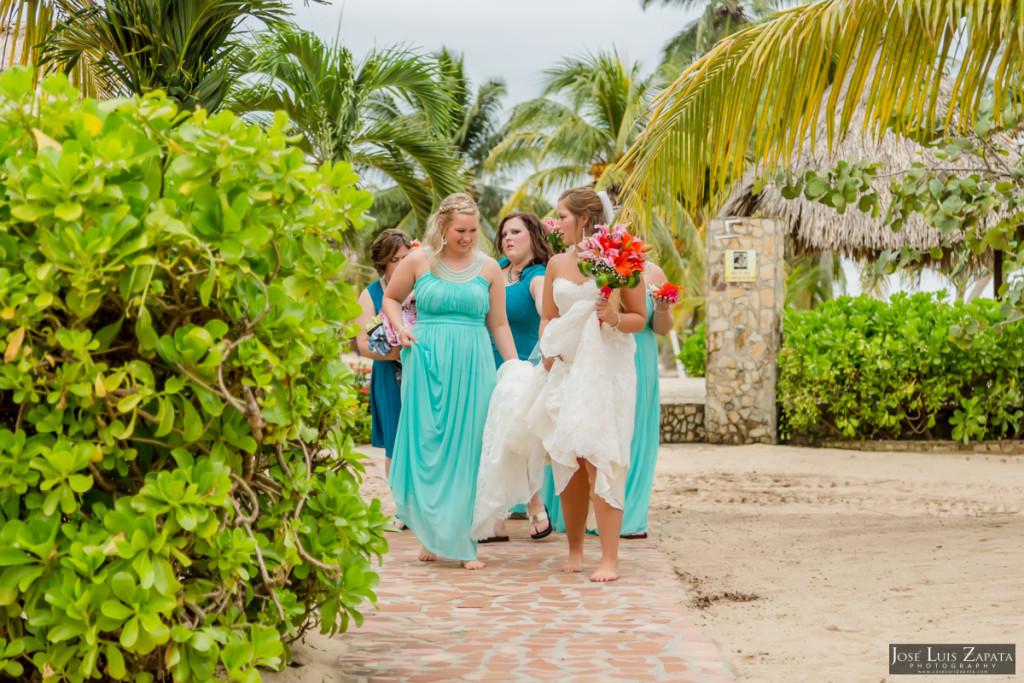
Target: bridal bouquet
[
  {"x": 554, "y": 237},
  {"x": 613, "y": 257}
]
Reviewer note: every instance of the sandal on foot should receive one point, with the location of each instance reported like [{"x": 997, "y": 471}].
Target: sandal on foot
[
  {"x": 537, "y": 520},
  {"x": 636, "y": 536},
  {"x": 495, "y": 539}
]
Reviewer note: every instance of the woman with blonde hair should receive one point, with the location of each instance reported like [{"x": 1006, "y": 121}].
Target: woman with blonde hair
[{"x": 448, "y": 375}]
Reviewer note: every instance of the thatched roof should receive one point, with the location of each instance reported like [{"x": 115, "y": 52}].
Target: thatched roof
[
  {"x": 11, "y": 45},
  {"x": 814, "y": 227}
]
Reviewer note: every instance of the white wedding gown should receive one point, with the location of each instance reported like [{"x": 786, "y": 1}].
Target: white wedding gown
[{"x": 582, "y": 408}]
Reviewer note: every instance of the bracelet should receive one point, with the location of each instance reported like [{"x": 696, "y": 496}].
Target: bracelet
[
  {"x": 400, "y": 331},
  {"x": 618, "y": 319},
  {"x": 667, "y": 308}
]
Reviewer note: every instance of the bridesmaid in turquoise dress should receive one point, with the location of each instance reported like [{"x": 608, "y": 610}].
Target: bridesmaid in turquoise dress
[
  {"x": 387, "y": 251},
  {"x": 643, "y": 452},
  {"x": 448, "y": 375},
  {"x": 522, "y": 239}
]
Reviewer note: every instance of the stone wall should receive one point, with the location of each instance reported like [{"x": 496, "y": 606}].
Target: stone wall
[
  {"x": 744, "y": 321},
  {"x": 682, "y": 423}
]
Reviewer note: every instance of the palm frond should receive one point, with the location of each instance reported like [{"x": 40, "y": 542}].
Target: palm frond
[
  {"x": 767, "y": 84},
  {"x": 387, "y": 115}
]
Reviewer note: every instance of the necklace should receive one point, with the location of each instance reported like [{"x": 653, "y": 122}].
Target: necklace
[
  {"x": 508, "y": 275},
  {"x": 446, "y": 272}
]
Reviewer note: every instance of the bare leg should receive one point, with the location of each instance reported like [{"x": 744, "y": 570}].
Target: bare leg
[
  {"x": 609, "y": 525},
  {"x": 575, "y": 505}
]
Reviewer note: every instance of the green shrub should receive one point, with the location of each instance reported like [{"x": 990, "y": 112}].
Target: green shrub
[
  {"x": 178, "y": 495},
  {"x": 860, "y": 368},
  {"x": 694, "y": 354}
]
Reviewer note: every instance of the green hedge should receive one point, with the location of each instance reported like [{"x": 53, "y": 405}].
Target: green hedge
[
  {"x": 694, "y": 354},
  {"x": 864, "y": 369},
  {"x": 178, "y": 493}
]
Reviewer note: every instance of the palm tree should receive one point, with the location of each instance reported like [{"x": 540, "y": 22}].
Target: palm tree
[
  {"x": 387, "y": 115},
  {"x": 579, "y": 137},
  {"x": 767, "y": 83},
  {"x": 118, "y": 47},
  {"x": 472, "y": 132},
  {"x": 720, "y": 18}
]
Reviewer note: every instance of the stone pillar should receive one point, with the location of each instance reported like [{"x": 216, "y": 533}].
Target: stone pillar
[{"x": 744, "y": 324}]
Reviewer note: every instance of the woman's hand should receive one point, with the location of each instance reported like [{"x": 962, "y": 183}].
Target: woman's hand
[
  {"x": 661, "y": 303},
  {"x": 407, "y": 338},
  {"x": 606, "y": 313},
  {"x": 548, "y": 362},
  {"x": 394, "y": 354}
]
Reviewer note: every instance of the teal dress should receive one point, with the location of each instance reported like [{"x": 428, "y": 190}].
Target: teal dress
[
  {"x": 643, "y": 450},
  {"x": 447, "y": 381},
  {"x": 385, "y": 394},
  {"x": 521, "y": 309}
]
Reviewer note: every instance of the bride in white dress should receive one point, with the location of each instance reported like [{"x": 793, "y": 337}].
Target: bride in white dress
[{"x": 577, "y": 406}]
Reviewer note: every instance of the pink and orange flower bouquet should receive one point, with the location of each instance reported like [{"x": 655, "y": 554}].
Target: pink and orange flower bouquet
[{"x": 613, "y": 257}]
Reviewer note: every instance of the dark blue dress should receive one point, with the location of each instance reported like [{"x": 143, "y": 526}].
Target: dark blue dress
[{"x": 385, "y": 393}]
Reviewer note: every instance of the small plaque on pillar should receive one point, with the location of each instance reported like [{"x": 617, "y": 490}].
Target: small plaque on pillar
[{"x": 740, "y": 265}]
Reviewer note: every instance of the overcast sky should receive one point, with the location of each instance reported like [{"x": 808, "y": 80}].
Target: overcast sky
[{"x": 515, "y": 41}]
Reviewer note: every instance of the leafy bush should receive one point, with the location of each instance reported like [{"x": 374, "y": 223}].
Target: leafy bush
[
  {"x": 694, "y": 354},
  {"x": 178, "y": 497},
  {"x": 860, "y": 368}
]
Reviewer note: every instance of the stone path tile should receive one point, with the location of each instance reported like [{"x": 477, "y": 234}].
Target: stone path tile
[{"x": 522, "y": 619}]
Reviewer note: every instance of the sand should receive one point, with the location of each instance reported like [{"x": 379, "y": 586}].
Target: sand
[{"x": 805, "y": 564}]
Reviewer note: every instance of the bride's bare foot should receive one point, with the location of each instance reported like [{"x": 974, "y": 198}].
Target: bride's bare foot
[
  {"x": 473, "y": 565},
  {"x": 575, "y": 563},
  {"x": 425, "y": 555},
  {"x": 608, "y": 571}
]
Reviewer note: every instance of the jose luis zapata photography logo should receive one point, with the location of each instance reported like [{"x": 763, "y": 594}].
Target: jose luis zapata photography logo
[{"x": 953, "y": 659}]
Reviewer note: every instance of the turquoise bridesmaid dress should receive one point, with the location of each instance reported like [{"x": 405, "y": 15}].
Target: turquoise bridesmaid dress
[
  {"x": 523, "y": 318},
  {"x": 643, "y": 451},
  {"x": 447, "y": 381},
  {"x": 385, "y": 394}
]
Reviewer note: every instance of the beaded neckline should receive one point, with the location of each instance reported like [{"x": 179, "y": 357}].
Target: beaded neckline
[{"x": 445, "y": 272}]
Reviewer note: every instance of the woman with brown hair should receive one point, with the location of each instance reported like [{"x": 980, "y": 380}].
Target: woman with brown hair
[
  {"x": 523, "y": 243},
  {"x": 388, "y": 250},
  {"x": 577, "y": 407},
  {"x": 587, "y": 344}
]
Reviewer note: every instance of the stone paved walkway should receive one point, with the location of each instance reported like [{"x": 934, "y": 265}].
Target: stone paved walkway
[{"x": 522, "y": 619}]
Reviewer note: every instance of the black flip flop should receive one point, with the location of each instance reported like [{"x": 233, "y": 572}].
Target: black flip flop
[
  {"x": 638, "y": 536},
  {"x": 495, "y": 539},
  {"x": 537, "y": 520}
]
